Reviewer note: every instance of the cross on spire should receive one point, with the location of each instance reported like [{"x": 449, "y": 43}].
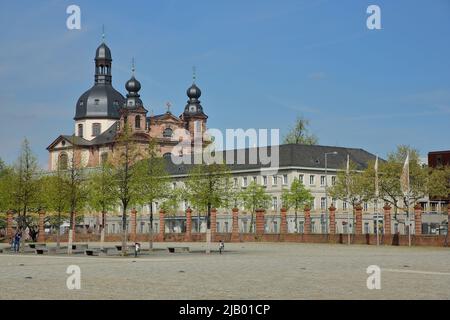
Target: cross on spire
[
  {"x": 132, "y": 66},
  {"x": 194, "y": 75},
  {"x": 103, "y": 33},
  {"x": 168, "y": 105}
]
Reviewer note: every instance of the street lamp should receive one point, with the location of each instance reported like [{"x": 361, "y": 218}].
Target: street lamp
[{"x": 326, "y": 188}]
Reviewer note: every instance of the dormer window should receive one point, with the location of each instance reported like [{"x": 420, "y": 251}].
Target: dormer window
[
  {"x": 96, "y": 129},
  {"x": 97, "y": 102}
]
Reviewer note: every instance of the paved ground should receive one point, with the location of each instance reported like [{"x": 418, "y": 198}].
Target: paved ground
[{"x": 245, "y": 271}]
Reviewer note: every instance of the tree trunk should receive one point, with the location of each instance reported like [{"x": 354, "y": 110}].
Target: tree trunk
[
  {"x": 58, "y": 232},
  {"x": 124, "y": 231},
  {"x": 296, "y": 221},
  {"x": 102, "y": 229},
  {"x": 69, "y": 246},
  {"x": 150, "y": 244},
  {"x": 208, "y": 230}
]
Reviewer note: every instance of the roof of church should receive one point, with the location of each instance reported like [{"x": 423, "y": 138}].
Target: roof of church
[{"x": 290, "y": 155}]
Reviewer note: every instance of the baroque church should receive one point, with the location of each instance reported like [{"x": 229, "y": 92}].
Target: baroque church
[{"x": 102, "y": 111}]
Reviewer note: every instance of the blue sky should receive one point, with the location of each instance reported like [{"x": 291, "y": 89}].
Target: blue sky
[{"x": 259, "y": 64}]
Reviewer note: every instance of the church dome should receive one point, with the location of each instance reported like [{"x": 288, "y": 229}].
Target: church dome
[
  {"x": 133, "y": 85},
  {"x": 103, "y": 52},
  {"x": 194, "y": 92},
  {"x": 101, "y": 101}
]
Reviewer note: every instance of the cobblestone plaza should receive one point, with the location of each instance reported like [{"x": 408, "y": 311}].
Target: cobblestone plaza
[{"x": 245, "y": 271}]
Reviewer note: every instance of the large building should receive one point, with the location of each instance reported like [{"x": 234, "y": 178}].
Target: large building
[{"x": 102, "y": 111}]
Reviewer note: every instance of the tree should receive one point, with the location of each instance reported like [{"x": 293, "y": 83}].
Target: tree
[
  {"x": 76, "y": 189},
  {"x": 353, "y": 187},
  {"x": 126, "y": 175},
  {"x": 299, "y": 134},
  {"x": 24, "y": 186},
  {"x": 152, "y": 182},
  {"x": 55, "y": 199},
  {"x": 254, "y": 197},
  {"x": 102, "y": 193},
  {"x": 209, "y": 185},
  {"x": 296, "y": 197}
]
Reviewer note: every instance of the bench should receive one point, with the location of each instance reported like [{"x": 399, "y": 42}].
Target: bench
[
  {"x": 178, "y": 249},
  {"x": 34, "y": 245},
  {"x": 92, "y": 252},
  {"x": 110, "y": 251},
  {"x": 80, "y": 246},
  {"x": 45, "y": 250}
]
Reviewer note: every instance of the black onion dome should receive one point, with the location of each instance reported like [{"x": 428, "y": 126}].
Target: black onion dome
[
  {"x": 103, "y": 52},
  {"x": 133, "y": 85},
  {"x": 194, "y": 92}
]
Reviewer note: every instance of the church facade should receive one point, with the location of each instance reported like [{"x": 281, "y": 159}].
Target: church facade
[{"x": 102, "y": 112}]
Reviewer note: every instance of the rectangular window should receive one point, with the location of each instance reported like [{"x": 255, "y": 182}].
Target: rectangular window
[
  {"x": 300, "y": 178},
  {"x": 366, "y": 228},
  {"x": 344, "y": 205},
  {"x": 322, "y": 203},
  {"x": 96, "y": 129},
  {"x": 313, "y": 226},
  {"x": 366, "y": 206},
  {"x": 255, "y": 179},
  {"x": 80, "y": 130},
  {"x": 235, "y": 182},
  {"x": 274, "y": 180},
  {"x": 275, "y": 203},
  {"x": 333, "y": 201},
  {"x": 285, "y": 179},
  {"x": 301, "y": 227},
  {"x": 311, "y": 179},
  {"x": 333, "y": 180},
  {"x": 313, "y": 205},
  {"x": 322, "y": 180},
  {"x": 265, "y": 180},
  {"x": 244, "y": 182}
]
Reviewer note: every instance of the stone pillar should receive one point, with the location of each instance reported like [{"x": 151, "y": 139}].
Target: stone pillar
[
  {"x": 283, "y": 226},
  {"x": 418, "y": 219},
  {"x": 213, "y": 222},
  {"x": 188, "y": 234},
  {"x": 387, "y": 219},
  {"x": 41, "y": 234},
  {"x": 235, "y": 226},
  {"x": 332, "y": 211},
  {"x": 358, "y": 219},
  {"x": 162, "y": 225},
  {"x": 9, "y": 225},
  {"x": 260, "y": 221},
  {"x": 133, "y": 222},
  {"x": 307, "y": 227}
]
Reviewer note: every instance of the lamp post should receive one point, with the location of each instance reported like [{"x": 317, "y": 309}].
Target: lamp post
[{"x": 326, "y": 188}]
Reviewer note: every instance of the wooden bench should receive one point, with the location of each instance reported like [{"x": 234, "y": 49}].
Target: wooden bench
[{"x": 178, "y": 249}]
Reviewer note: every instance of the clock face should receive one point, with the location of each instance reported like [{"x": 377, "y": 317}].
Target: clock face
[{"x": 192, "y": 109}]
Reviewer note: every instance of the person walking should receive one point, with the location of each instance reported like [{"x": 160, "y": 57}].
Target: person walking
[
  {"x": 221, "y": 246},
  {"x": 17, "y": 238}
]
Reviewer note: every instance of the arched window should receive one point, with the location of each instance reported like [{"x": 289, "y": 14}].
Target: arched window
[
  {"x": 167, "y": 155},
  {"x": 167, "y": 133},
  {"x": 63, "y": 161},
  {"x": 80, "y": 130},
  {"x": 137, "y": 122},
  {"x": 104, "y": 157}
]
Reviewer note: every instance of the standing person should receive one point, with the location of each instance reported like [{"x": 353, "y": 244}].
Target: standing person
[
  {"x": 221, "y": 246},
  {"x": 17, "y": 238},
  {"x": 137, "y": 248}
]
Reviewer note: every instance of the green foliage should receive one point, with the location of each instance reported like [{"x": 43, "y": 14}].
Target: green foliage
[
  {"x": 172, "y": 199},
  {"x": 102, "y": 192},
  {"x": 296, "y": 196},
  {"x": 254, "y": 197},
  {"x": 208, "y": 185},
  {"x": 299, "y": 134},
  {"x": 354, "y": 187},
  {"x": 151, "y": 177}
]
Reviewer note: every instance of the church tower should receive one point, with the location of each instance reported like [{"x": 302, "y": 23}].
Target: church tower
[{"x": 98, "y": 108}]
